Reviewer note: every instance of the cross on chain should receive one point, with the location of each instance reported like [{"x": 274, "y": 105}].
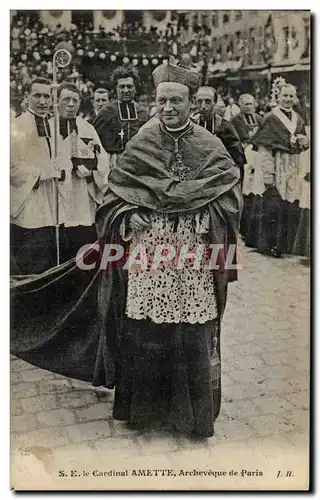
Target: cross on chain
[{"x": 121, "y": 134}]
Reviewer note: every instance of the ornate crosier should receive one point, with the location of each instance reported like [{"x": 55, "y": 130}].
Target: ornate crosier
[
  {"x": 61, "y": 59},
  {"x": 275, "y": 90}
]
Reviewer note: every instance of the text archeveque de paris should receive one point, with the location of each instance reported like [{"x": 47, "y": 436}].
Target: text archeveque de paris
[{"x": 160, "y": 473}]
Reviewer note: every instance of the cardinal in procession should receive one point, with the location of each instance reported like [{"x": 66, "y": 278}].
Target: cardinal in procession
[
  {"x": 279, "y": 141},
  {"x": 118, "y": 121},
  {"x": 174, "y": 184},
  {"x": 152, "y": 331},
  {"x": 87, "y": 169},
  {"x": 246, "y": 124},
  {"x": 32, "y": 184}
]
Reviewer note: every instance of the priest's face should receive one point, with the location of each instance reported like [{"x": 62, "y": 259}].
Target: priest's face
[
  {"x": 220, "y": 107},
  {"x": 205, "y": 101},
  {"x": 246, "y": 104},
  {"x": 39, "y": 99},
  {"x": 287, "y": 96},
  {"x": 173, "y": 104},
  {"x": 69, "y": 104},
  {"x": 100, "y": 99},
  {"x": 126, "y": 89}
]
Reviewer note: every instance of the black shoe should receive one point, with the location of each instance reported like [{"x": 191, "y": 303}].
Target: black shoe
[{"x": 274, "y": 252}]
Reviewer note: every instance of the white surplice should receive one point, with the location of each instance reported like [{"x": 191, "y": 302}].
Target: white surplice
[
  {"x": 32, "y": 201},
  {"x": 78, "y": 199}
]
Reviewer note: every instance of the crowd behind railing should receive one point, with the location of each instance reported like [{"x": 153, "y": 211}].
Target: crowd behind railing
[{"x": 33, "y": 44}]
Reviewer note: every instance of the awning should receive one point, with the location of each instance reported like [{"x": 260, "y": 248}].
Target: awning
[
  {"x": 233, "y": 78},
  {"x": 221, "y": 67},
  {"x": 256, "y": 67},
  {"x": 252, "y": 75},
  {"x": 217, "y": 75},
  {"x": 286, "y": 69}
]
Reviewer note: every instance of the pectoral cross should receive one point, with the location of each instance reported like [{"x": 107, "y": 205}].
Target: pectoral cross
[{"x": 121, "y": 134}]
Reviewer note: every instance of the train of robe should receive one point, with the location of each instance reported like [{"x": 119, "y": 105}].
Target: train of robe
[{"x": 68, "y": 320}]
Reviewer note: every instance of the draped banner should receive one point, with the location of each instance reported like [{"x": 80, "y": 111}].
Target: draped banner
[
  {"x": 56, "y": 13},
  {"x": 109, "y": 14}
]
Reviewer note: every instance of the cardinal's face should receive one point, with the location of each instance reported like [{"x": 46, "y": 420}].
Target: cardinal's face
[{"x": 173, "y": 104}]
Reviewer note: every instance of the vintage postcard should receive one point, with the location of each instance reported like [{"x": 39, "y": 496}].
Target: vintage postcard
[{"x": 160, "y": 250}]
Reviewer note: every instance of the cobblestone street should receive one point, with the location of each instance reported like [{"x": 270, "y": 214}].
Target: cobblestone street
[{"x": 59, "y": 424}]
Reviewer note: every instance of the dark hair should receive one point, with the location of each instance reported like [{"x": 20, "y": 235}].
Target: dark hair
[
  {"x": 68, "y": 86},
  {"x": 43, "y": 81},
  {"x": 125, "y": 72},
  {"x": 101, "y": 90},
  {"x": 214, "y": 91}
]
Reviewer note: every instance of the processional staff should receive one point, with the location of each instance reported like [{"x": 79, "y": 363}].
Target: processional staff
[{"x": 61, "y": 59}]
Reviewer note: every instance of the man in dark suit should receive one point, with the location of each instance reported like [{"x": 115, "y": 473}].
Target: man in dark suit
[
  {"x": 118, "y": 121},
  {"x": 206, "y": 117},
  {"x": 246, "y": 124},
  {"x": 247, "y": 121},
  {"x": 100, "y": 99}
]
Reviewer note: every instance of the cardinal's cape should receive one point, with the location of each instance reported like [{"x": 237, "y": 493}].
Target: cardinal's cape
[{"x": 75, "y": 316}]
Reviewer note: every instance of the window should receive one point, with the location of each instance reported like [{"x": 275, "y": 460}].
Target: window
[
  {"x": 238, "y": 43},
  {"x": 252, "y": 45},
  {"x": 215, "y": 21},
  {"x": 219, "y": 47},
  {"x": 225, "y": 18},
  {"x": 195, "y": 22},
  {"x": 82, "y": 17},
  {"x": 230, "y": 46},
  {"x": 252, "y": 35},
  {"x": 306, "y": 52},
  {"x": 285, "y": 32},
  {"x": 204, "y": 20}
]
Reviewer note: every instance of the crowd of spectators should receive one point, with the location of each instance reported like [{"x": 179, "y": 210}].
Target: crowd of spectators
[{"x": 33, "y": 44}]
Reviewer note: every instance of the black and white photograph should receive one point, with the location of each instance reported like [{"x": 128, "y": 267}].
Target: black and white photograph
[{"x": 160, "y": 250}]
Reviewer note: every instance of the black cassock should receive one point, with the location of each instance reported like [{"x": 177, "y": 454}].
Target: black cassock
[
  {"x": 228, "y": 135},
  {"x": 245, "y": 123},
  {"x": 117, "y": 123}
]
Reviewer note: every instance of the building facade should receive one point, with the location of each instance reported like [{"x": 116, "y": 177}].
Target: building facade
[{"x": 234, "y": 48}]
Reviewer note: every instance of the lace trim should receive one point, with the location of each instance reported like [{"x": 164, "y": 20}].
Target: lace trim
[{"x": 168, "y": 294}]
